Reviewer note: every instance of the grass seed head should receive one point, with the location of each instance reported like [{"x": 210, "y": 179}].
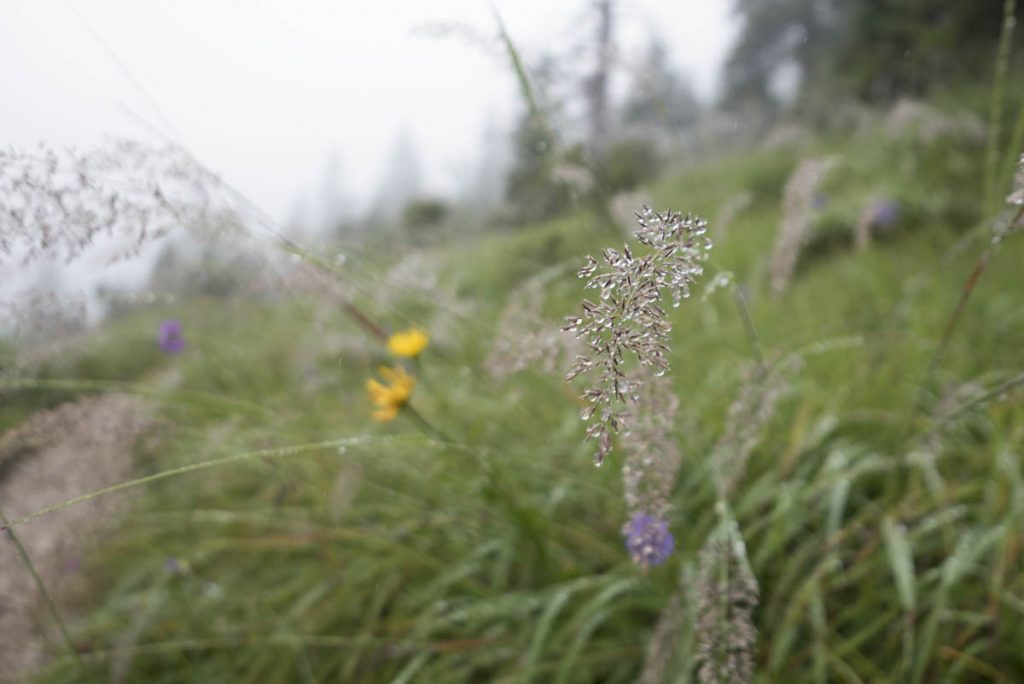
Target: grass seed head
[
  {"x": 56, "y": 203},
  {"x": 726, "y": 595},
  {"x": 628, "y": 319},
  {"x": 799, "y": 205}
]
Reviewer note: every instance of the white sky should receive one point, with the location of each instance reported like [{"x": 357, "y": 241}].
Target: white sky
[{"x": 263, "y": 92}]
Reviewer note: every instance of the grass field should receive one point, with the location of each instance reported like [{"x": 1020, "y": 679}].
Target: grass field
[{"x": 473, "y": 540}]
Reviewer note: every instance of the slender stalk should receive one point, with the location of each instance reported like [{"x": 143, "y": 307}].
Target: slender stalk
[
  {"x": 286, "y": 243},
  {"x": 205, "y": 399},
  {"x": 364, "y": 320},
  {"x": 517, "y": 64},
  {"x": 996, "y": 106},
  {"x": 979, "y": 269},
  {"x": 317, "y": 641},
  {"x": 748, "y": 325},
  {"x": 426, "y": 424},
  {"x": 351, "y": 309},
  {"x": 47, "y": 598},
  {"x": 951, "y": 322},
  {"x": 1001, "y": 388},
  {"x": 181, "y": 470}
]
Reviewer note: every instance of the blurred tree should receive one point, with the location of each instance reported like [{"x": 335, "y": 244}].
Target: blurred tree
[
  {"x": 774, "y": 33},
  {"x": 484, "y": 187},
  {"x": 898, "y": 47},
  {"x": 333, "y": 204},
  {"x": 628, "y": 164},
  {"x": 596, "y": 85},
  {"x": 877, "y": 50},
  {"x": 400, "y": 182},
  {"x": 659, "y": 98},
  {"x": 425, "y": 212},
  {"x": 530, "y": 185}
]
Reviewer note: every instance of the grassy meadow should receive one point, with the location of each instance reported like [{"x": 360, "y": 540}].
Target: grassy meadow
[{"x": 280, "y": 534}]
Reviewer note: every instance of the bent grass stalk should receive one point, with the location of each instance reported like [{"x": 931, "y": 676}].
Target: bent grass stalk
[
  {"x": 279, "y": 452},
  {"x": 317, "y": 641},
  {"x": 994, "y": 392},
  {"x": 51, "y": 605},
  {"x": 980, "y": 266},
  {"x": 206, "y": 400},
  {"x": 517, "y": 64},
  {"x": 996, "y": 106}
]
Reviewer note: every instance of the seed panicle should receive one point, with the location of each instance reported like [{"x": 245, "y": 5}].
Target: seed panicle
[
  {"x": 524, "y": 338},
  {"x": 798, "y": 211},
  {"x": 1012, "y": 219},
  {"x": 628, "y": 319},
  {"x": 726, "y": 595},
  {"x": 652, "y": 455},
  {"x": 747, "y": 416},
  {"x": 662, "y": 646},
  {"x": 55, "y": 203}
]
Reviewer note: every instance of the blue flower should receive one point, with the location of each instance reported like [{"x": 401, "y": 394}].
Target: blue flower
[
  {"x": 648, "y": 540},
  {"x": 169, "y": 337},
  {"x": 886, "y": 212}
]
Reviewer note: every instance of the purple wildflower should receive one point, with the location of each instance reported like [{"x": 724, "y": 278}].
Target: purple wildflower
[
  {"x": 886, "y": 213},
  {"x": 648, "y": 540},
  {"x": 169, "y": 337}
]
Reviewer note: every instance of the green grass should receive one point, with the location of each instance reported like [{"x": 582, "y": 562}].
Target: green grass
[{"x": 488, "y": 548}]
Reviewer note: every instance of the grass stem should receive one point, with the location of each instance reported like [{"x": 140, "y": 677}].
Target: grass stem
[{"x": 41, "y": 586}]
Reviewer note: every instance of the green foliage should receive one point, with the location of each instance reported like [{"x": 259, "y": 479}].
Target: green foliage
[
  {"x": 424, "y": 213},
  {"x": 906, "y": 47},
  {"x": 879, "y": 51},
  {"x": 891, "y": 174},
  {"x": 627, "y": 165},
  {"x": 495, "y": 264},
  {"x": 777, "y": 32},
  {"x": 124, "y": 352},
  {"x": 659, "y": 98},
  {"x": 385, "y": 553},
  {"x": 531, "y": 186},
  {"x": 217, "y": 271}
]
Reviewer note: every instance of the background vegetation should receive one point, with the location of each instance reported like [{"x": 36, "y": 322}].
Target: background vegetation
[{"x": 278, "y": 534}]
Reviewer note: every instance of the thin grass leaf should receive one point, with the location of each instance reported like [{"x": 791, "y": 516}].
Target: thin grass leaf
[
  {"x": 540, "y": 636},
  {"x": 1002, "y": 67},
  {"x": 901, "y": 562}
]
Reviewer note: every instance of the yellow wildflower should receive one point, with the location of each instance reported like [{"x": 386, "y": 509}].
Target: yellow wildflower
[
  {"x": 392, "y": 394},
  {"x": 408, "y": 343}
]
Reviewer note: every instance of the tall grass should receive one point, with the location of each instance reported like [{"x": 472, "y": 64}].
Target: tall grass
[{"x": 820, "y": 533}]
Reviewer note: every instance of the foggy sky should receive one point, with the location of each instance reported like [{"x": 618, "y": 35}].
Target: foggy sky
[{"x": 265, "y": 93}]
